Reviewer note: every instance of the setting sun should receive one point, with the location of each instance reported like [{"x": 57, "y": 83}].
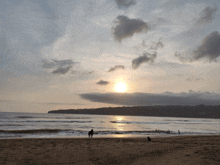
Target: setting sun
[{"x": 120, "y": 87}]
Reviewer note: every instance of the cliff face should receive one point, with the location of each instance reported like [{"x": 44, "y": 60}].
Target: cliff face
[{"x": 200, "y": 111}]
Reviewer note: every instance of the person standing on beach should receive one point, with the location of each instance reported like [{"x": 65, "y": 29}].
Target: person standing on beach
[{"x": 90, "y": 133}]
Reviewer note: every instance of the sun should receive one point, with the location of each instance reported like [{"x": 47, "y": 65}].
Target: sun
[{"x": 120, "y": 87}]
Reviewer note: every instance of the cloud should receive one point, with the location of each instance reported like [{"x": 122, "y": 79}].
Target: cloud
[
  {"x": 82, "y": 72},
  {"x": 146, "y": 58},
  {"x": 126, "y": 27},
  {"x": 181, "y": 57},
  {"x": 125, "y": 3},
  {"x": 101, "y": 82},
  {"x": 60, "y": 66},
  {"x": 116, "y": 68},
  {"x": 2, "y": 45},
  {"x": 27, "y": 29},
  {"x": 147, "y": 99},
  {"x": 42, "y": 103},
  {"x": 56, "y": 63},
  {"x": 194, "y": 79},
  {"x": 61, "y": 70},
  {"x": 207, "y": 15},
  {"x": 210, "y": 47},
  {"x": 157, "y": 45}
]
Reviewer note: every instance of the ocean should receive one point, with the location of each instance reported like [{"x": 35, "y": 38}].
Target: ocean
[{"x": 44, "y": 125}]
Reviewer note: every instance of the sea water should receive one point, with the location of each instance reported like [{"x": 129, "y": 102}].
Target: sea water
[{"x": 38, "y": 125}]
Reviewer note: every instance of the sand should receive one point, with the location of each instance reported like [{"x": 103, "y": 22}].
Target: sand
[{"x": 133, "y": 151}]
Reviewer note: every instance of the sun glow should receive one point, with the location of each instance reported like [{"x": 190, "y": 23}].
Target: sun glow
[{"x": 120, "y": 87}]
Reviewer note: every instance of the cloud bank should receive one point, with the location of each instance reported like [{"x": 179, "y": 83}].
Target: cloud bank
[
  {"x": 102, "y": 82},
  {"x": 125, "y": 3},
  {"x": 116, "y": 68},
  {"x": 146, "y": 99},
  {"x": 146, "y": 58},
  {"x": 126, "y": 27}
]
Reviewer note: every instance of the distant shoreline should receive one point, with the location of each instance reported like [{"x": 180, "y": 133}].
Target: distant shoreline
[{"x": 199, "y": 111}]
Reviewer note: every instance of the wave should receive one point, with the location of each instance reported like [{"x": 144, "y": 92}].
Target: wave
[
  {"x": 136, "y": 132},
  {"x": 11, "y": 125},
  {"x": 187, "y": 123},
  {"x": 83, "y": 131},
  {"x": 134, "y": 122},
  {"x": 72, "y": 117},
  {"x": 33, "y": 131},
  {"x": 28, "y": 117},
  {"x": 25, "y": 117},
  {"x": 56, "y": 121}
]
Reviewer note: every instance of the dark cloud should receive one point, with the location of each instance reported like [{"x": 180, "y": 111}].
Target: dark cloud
[
  {"x": 82, "y": 72},
  {"x": 101, "y": 82},
  {"x": 157, "y": 45},
  {"x": 181, "y": 57},
  {"x": 207, "y": 15},
  {"x": 146, "y": 58},
  {"x": 210, "y": 47},
  {"x": 125, "y": 3},
  {"x": 91, "y": 72},
  {"x": 116, "y": 68},
  {"x": 59, "y": 66},
  {"x": 61, "y": 70},
  {"x": 126, "y": 27},
  {"x": 146, "y": 99},
  {"x": 56, "y": 63}
]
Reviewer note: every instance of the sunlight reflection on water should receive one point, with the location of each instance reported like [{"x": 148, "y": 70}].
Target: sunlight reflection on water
[{"x": 117, "y": 125}]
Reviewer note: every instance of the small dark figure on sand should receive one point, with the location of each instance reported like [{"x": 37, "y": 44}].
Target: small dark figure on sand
[
  {"x": 90, "y": 133},
  {"x": 178, "y": 132},
  {"x": 148, "y": 138}
]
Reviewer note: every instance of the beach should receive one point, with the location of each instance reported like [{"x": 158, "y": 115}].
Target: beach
[{"x": 134, "y": 151}]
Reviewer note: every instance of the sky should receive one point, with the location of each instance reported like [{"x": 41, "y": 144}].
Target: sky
[{"x": 71, "y": 54}]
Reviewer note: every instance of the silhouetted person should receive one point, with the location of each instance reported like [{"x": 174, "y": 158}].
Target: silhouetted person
[
  {"x": 148, "y": 138},
  {"x": 178, "y": 132},
  {"x": 90, "y": 133}
]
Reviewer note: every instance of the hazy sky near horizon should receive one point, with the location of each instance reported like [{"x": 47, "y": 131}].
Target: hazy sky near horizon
[{"x": 71, "y": 54}]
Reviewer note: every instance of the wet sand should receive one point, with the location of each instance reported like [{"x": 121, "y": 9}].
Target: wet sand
[{"x": 195, "y": 150}]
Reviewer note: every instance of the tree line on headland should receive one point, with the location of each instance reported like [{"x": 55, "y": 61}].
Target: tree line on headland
[{"x": 199, "y": 111}]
